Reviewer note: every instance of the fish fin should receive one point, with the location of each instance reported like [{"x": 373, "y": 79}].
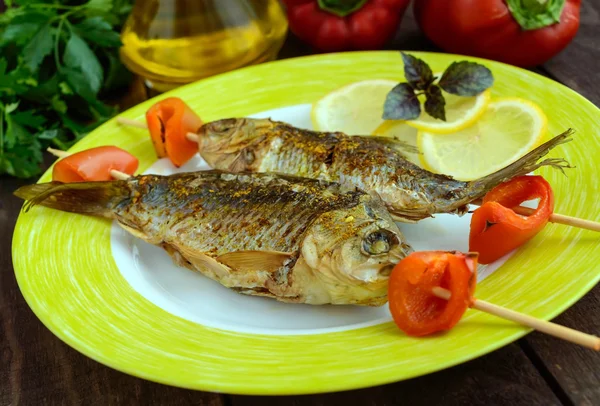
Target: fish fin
[
  {"x": 404, "y": 218},
  {"x": 524, "y": 165},
  {"x": 238, "y": 164},
  {"x": 395, "y": 144},
  {"x": 137, "y": 233},
  {"x": 201, "y": 261},
  {"x": 79, "y": 197},
  {"x": 252, "y": 261}
]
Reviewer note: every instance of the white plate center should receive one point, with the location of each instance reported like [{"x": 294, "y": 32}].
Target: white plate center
[{"x": 190, "y": 295}]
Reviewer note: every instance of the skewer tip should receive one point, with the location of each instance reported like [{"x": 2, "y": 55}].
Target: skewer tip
[{"x": 192, "y": 137}]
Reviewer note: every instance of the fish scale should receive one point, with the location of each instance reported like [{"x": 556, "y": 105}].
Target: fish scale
[
  {"x": 293, "y": 239},
  {"x": 376, "y": 164}
]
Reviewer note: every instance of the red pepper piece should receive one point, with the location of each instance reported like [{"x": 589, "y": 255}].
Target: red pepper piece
[
  {"x": 414, "y": 307},
  {"x": 496, "y": 229},
  {"x": 94, "y": 164},
  {"x": 337, "y": 25},
  {"x": 169, "y": 121}
]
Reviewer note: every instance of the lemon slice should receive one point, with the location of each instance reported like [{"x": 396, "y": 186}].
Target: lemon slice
[
  {"x": 461, "y": 112},
  {"x": 354, "y": 109},
  {"x": 508, "y": 129},
  {"x": 400, "y": 131}
]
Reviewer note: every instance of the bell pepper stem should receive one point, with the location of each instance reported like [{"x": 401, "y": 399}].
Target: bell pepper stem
[
  {"x": 341, "y": 8},
  {"x": 536, "y": 14}
]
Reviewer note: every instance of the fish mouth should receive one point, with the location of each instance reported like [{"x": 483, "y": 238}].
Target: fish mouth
[
  {"x": 394, "y": 256},
  {"x": 371, "y": 273},
  {"x": 386, "y": 270}
]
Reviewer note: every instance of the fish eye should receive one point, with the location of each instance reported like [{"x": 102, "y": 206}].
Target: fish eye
[{"x": 379, "y": 242}]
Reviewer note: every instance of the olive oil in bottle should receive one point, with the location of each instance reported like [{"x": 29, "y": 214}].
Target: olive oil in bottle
[{"x": 173, "y": 42}]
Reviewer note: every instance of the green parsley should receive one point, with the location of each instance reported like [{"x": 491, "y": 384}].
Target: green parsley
[{"x": 58, "y": 60}]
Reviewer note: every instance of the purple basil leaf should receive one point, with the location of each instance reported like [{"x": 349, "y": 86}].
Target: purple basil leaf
[
  {"x": 417, "y": 72},
  {"x": 401, "y": 103},
  {"x": 466, "y": 78},
  {"x": 434, "y": 103}
]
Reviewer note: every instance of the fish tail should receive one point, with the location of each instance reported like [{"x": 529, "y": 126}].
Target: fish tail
[
  {"x": 528, "y": 163},
  {"x": 97, "y": 198}
]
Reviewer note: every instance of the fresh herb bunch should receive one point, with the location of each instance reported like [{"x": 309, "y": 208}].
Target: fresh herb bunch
[
  {"x": 460, "y": 78},
  {"x": 57, "y": 59}
]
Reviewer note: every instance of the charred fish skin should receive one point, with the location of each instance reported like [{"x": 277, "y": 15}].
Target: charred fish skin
[
  {"x": 371, "y": 163},
  {"x": 293, "y": 239}
]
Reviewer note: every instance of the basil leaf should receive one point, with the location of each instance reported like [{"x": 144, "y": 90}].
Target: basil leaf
[
  {"x": 417, "y": 72},
  {"x": 466, "y": 78},
  {"x": 401, "y": 103},
  {"x": 435, "y": 103}
]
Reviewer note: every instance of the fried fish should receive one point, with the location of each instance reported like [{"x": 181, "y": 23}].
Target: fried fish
[
  {"x": 370, "y": 163},
  {"x": 293, "y": 239}
]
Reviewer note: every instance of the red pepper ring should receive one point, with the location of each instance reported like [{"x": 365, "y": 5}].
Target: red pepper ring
[
  {"x": 414, "y": 307},
  {"x": 169, "y": 121},
  {"x": 94, "y": 164},
  {"x": 496, "y": 229}
]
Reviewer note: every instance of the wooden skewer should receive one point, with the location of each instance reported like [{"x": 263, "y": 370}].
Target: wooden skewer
[
  {"x": 131, "y": 123},
  {"x": 137, "y": 124},
  {"x": 554, "y": 218},
  {"x": 556, "y": 330}
]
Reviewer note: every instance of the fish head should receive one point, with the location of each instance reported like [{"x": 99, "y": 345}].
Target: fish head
[
  {"x": 354, "y": 251},
  {"x": 223, "y": 144}
]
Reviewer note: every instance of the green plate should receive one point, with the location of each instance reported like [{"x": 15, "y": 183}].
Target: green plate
[{"x": 67, "y": 273}]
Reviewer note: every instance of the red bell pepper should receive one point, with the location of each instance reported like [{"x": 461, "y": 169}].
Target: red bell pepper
[
  {"x": 496, "y": 229},
  {"x": 169, "y": 121},
  {"x": 519, "y": 32},
  {"x": 416, "y": 310},
  {"x": 94, "y": 164},
  {"x": 337, "y": 25}
]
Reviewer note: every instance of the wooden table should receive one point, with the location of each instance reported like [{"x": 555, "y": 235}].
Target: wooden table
[{"x": 37, "y": 368}]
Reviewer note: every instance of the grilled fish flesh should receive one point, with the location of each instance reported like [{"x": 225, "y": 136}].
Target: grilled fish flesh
[
  {"x": 296, "y": 240},
  {"x": 369, "y": 163}
]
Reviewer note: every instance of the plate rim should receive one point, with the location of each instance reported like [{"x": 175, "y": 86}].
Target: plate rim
[{"x": 516, "y": 334}]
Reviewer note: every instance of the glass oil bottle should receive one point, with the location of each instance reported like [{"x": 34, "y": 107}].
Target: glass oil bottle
[{"x": 172, "y": 42}]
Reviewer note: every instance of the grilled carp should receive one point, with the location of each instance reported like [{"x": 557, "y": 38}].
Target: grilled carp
[
  {"x": 296, "y": 240},
  {"x": 370, "y": 163}
]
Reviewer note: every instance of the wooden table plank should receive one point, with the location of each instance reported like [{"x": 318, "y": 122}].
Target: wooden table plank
[
  {"x": 37, "y": 368},
  {"x": 575, "y": 369},
  {"x": 577, "y": 65},
  {"x": 505, "y": 377}
]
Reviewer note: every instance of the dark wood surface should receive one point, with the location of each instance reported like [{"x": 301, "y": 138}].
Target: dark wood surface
[{"x": 36, "y": 368}]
